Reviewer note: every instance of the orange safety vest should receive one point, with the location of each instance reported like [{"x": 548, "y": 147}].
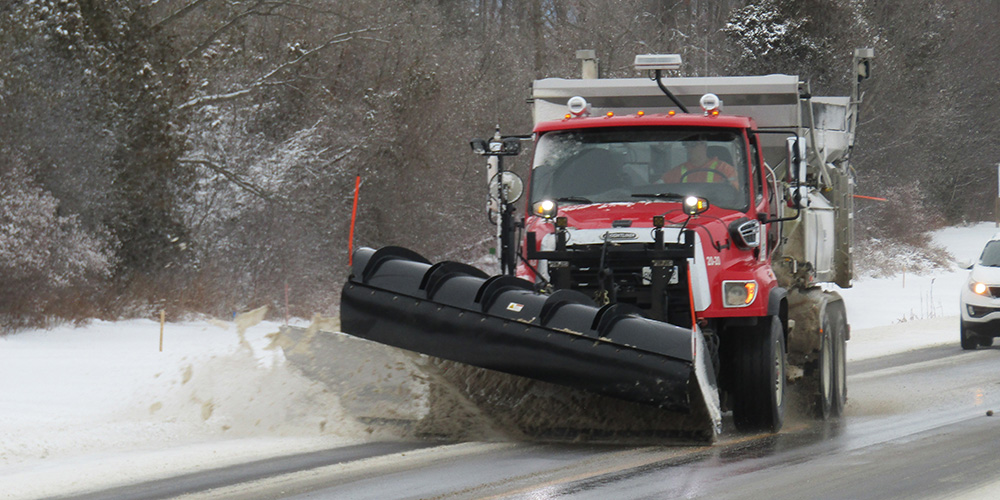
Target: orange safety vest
[{"x": 709, "y": 176}]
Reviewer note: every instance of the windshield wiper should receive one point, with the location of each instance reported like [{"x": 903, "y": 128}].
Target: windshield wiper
[
  {"x": 669, "y": 196},
  {"x": 574, "y": 199}
]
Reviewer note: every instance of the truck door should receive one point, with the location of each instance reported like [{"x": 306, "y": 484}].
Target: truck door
[{"x": 764, "y": 198}]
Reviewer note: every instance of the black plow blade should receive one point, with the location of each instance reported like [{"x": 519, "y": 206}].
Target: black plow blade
[{"x": 456, "y": 312}]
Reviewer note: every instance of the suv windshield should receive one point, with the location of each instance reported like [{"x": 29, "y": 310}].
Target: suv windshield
[
  {"x": 991, "y": 254},
  {"x": 631, "y": 164}
]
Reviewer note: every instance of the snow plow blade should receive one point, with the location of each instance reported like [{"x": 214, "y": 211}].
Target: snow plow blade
[{"x": 456, "y": 312}]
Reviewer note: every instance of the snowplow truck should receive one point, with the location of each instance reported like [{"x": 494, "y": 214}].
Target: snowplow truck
[{"x": 675, "y": 238}]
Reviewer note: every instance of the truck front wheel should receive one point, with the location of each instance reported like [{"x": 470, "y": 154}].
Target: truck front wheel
[{"x": 759, "y": 381}]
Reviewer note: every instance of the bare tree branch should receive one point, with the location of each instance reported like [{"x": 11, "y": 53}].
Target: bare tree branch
[
  {"x": 340, "y": 38},
  {"x": 269, "y": 9},
  {"x": 179, "y": 13},
  {"x": 222, "y": 29},
  {"x": 244, "y": 185}
]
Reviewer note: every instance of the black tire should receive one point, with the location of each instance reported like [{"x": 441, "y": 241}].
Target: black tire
[
  {"x": 839, "y": 336},
  {"x": 825, "y": 375},
  {"x": 968, "y": 339},
  {"x": 759, "y": 384},
  {"x": 986, "y": 341}
]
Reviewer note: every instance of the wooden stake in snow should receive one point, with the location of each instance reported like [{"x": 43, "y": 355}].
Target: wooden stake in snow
[{"x": 163, "y": 316}]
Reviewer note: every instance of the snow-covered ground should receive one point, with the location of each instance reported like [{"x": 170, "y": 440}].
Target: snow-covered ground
[
  {"x": 907, "y": 311},
  {"x": 103, "y": 405}
]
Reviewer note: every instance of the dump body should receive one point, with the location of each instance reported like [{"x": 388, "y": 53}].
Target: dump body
[{"x": 821, "y": 239}]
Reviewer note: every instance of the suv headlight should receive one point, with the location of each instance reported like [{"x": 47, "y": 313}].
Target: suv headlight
[{"x": 979, "y": 288}]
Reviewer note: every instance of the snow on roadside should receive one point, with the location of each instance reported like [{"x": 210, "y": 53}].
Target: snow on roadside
[
  {"x": 919, "y": 310},
  {"x": 76, "y": 401}
]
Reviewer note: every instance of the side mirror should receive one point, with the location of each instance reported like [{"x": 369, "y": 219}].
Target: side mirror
[
  {"x": 510, "y": 183},
  {"x": 964, "y": 263},
  {"x": 796, "y": 150}
]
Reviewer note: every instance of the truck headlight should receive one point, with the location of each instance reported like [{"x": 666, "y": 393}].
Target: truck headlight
[
  {"x": 546, "y": 209},
  {"x": 738, "y": 293},
  {"x": 694, "y": 205}
]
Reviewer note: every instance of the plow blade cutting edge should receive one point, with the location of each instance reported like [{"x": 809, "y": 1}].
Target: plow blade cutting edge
[{"x": 456, "y": 312}]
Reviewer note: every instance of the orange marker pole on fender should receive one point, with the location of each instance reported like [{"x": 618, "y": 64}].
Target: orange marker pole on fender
[{"x": 354, "y": 216}]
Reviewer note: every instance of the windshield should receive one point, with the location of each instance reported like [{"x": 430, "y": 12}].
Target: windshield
[
  {"x": 991, "y": 254},
  {"x": 631, "y": 164}
]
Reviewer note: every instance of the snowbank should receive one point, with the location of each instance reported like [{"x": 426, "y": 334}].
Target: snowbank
[
  {"x": 907, "y": 297},
  {"x": 102, "y": 404}
]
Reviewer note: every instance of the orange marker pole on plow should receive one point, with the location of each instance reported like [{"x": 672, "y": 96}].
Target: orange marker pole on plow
[
  {"x": 354, "y": 216},
  {"x": 870, "y": 197}
]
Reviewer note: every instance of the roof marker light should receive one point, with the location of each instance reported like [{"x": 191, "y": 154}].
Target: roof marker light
[
  {"x": 711, "y": 104},
  {"x": 610, "y": 114},
  {"x": 641, "y": 113},
  {"x": 578, "y": 105},
  {"x": 671, "y": 113}
]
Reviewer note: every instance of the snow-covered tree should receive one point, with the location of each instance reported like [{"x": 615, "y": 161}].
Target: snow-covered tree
[{"x": 45, "y": 258}]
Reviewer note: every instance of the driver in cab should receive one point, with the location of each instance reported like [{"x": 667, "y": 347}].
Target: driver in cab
[{"x": 699, "y": 167}]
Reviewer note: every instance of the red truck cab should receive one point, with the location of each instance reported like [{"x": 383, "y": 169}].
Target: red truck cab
[{"x": 610, "y": 176}]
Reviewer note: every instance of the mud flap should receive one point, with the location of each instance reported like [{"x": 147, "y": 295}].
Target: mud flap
[{"x": 456, "y": 312}]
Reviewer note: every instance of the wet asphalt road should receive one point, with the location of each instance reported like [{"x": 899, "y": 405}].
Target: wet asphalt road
[{"x": 915, "y": 427}]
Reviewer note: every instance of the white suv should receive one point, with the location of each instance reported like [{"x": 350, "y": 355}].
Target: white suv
[{"x": 981, "y": 299}]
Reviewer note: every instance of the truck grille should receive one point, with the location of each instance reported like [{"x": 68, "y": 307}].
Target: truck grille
[{"x": 633, "y": 285}]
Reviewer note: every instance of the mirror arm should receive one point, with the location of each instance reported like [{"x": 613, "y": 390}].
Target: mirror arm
[{"x": 764, "y": 220}]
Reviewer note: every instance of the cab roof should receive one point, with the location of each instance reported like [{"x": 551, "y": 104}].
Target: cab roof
[{"x": 680, "y": 120}]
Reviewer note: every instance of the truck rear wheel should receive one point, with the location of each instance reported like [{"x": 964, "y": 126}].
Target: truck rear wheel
[
  {"x": 839, "y": 337},
  {"x": 759, "y": 382},
  {"x": 830, "y": 394},
  {"x": 826, "y": 371}
]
